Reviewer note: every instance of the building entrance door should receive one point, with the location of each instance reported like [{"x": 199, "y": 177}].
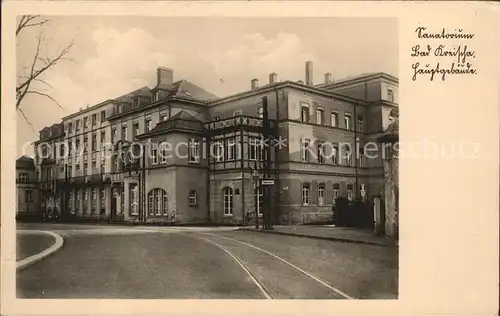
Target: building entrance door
[{"x": 114, "y": 204}]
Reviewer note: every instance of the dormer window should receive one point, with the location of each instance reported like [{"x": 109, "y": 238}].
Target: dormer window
[
  {"x": 119, "y": 108},
  {"x": 136, "y": 102},
  {"x": 156, "y": 96}
]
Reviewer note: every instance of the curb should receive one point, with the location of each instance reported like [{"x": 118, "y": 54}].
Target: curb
[
  {"x": 319, "y": 237},
  {"x": 26, "y": 262}
]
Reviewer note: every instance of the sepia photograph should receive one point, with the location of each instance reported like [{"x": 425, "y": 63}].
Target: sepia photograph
[{"x": 206, "y": 158}]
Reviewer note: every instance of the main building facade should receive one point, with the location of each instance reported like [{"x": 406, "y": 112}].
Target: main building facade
[{"x": 178, "y": 154}]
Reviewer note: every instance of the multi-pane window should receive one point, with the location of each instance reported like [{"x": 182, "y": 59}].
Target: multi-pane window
[
  {"x": 23, "y": 177},
  {"x": 70, "y": 148},
  {"x": 304, "y": 151},
  {"x": 103, "y": 165},
  {"x": 231, "y": 149},
  {"x": 163, "y": 152},
  {"x": 85, "y": 199},
  {"x": 350, "y": 193},
  {"x": 103, "y": 138},
  {"x": 124, "y": 132},
  {"x": 347, "y": 156},
  {"x": 163, "y": 117},
  {"x": 260, "y": 201},
  {"x": 94, "y": 141},
  {"x": 85, "y": 169},
  {"x": 114, "y": 135},
  {"x": 135, "y": 129},
  {"x": 252, "y": 149},
  {"x": 157, "y": 202},
  {"x": 228, "y": 201},
  {"x": 103, "y": 116},
  {"x": 362, "y": 157},
  {"x": 70, "y": 127},
  {"x": 305, "y": 194},
  {"x": 77, "y": 125},
  {"x": 77, "y": 146},
  {"x": 237, "y": 113},
  {"x": 94, "y": 198},
  {"x": 336, "y": 190},
  {"x": 94, "y": 119},
  {"x": 390, "y": 95},
  {"x": 192, "y": 197},
  {"x": 85, "y": 122},
  {"x": 359, "y": 124},
  {"x": 335, "y": 155},
  {"x": 347, "y": 121},
  {"x": 218, "y": 151},
  {"x": 321, "y": 194},
  {"x": 29, "y": 195},
  {"x": 116, "y": 163},
  {"x": 194, "y": 151},
  {"x": 70, "y": 171},
  {"x": 320, "y": 116},
  {"x": 134, "y": 205},
  {"x": 321, "y": 153},
  {"x": 85, "y": 144},
  {"x": 154, "y": 154},
  {"x": 148, "y": 125},
  {"x": 304, "y": 113},
  {"x": 255, "y": 149}
]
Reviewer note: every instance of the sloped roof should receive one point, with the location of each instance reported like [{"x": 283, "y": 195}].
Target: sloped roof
[
  {"x": 144, "y": 91},
  {"x": 25, "y": 162},
  {"x": 183, "y": 115},
  {"x": 185, "y": 89}
]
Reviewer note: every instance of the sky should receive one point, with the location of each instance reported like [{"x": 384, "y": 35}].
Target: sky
[{"x": 114, "y": 55}]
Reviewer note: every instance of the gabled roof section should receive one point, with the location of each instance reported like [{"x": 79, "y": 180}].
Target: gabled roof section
[{"x": 25, "y": 162}]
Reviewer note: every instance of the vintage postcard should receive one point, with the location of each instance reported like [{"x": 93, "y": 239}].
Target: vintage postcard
[{"x": 201, "y": 158}]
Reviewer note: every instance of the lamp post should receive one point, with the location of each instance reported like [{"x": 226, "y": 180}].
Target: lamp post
[{"x": 255, "y": 177}]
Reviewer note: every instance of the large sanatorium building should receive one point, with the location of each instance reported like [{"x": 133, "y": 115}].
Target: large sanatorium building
[{"x": 202, "y": 156}]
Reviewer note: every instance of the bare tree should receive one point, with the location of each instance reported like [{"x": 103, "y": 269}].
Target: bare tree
[{"x": 39, "y": 64}]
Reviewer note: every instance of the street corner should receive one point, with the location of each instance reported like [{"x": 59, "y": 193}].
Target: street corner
[{"x": 34, "y": 245}]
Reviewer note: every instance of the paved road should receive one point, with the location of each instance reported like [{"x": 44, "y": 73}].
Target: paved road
[{"x": 146, "y": 263}]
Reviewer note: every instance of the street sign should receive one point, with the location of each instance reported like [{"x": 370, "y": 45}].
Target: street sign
[{"x": 267, "y": 182}]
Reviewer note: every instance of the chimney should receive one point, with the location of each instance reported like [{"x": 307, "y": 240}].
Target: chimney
[
  {"x": 273, "y": 78},
  {"x": 255, "y": 83},
  {"x": 309, "y": 73},
  {"x": 164, "y": 76},
  {"x": 328, "y": 78}
]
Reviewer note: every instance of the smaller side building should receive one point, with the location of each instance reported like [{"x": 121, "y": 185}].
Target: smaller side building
[{"x": 26, "y": 189}]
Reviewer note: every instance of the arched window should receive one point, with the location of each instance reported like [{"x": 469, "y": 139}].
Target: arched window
[
  {"x": 157, "y": 202},
  {"x": 228, "y": 201}
]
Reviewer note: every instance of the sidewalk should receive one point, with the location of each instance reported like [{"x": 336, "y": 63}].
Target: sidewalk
[
  {"x": 345, "y": 234},
  {"x": 28, "y": 245}
]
